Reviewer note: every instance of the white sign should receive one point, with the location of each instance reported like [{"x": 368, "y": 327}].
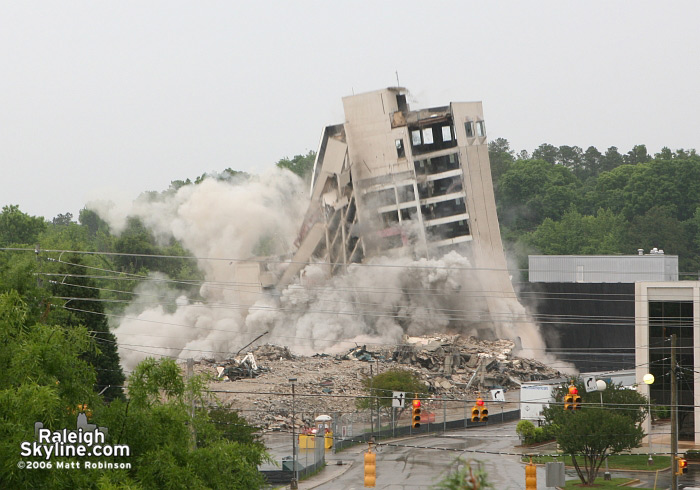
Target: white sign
[
  {"x": 498, "y": 395},
  {"x": 398, "y": 399},
  {"x": 589, "y": 382}
]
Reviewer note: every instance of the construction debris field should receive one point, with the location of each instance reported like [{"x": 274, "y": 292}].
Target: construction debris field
[{"x": 453, "y": 367}]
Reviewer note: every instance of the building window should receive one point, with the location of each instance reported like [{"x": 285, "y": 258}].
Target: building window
[
  {"x": 415, "y": 137},
  {"x": 400, "y": 152},
  {"x": 469, "y": 128},
  {"x": 446, "y": 133},
  {"x": 428, "y": 136},
  {"x": 480, "y": 129}
]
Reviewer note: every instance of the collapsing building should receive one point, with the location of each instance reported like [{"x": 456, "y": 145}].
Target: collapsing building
[{"x": 391, "y": 178}]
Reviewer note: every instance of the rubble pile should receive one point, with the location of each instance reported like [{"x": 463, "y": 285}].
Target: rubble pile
[{"x": 449, "y": 365}]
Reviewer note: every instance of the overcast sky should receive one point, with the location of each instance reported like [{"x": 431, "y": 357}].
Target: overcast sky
[{"x": 115, "y": 98}]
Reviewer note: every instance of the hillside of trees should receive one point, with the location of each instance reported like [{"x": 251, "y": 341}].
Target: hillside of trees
[{"x": 568, "y": 201}]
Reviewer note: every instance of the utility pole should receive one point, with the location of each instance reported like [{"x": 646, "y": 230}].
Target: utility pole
[
  {"x": 371, "y": 390},
  {"x": 674, "y": 415},
  {"x": 190, "y": 373},
  {"x": 295, "y": 480}
]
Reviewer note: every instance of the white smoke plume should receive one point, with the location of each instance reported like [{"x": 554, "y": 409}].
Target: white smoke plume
[{"x": 373, "y": 303}]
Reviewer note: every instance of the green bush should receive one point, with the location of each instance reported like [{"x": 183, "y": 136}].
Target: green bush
[
  {"x": 530, "y": 434},
  {"x": 662, "y": 412},
  {"x": 527, "y": 431}
]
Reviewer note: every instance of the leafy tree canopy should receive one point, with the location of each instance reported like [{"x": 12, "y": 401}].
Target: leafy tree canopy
[{"x": 384, "y": 384}]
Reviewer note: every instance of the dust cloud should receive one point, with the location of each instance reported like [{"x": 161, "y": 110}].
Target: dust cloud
[{"x": 226, "y": 223}]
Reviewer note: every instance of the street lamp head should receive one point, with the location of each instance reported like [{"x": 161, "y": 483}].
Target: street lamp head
[
  {"x": 601, "y": 385},
  {"x": 648, "y": 378}
]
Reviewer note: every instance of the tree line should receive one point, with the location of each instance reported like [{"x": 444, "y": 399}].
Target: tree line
[{"x": 563, "y": 200}]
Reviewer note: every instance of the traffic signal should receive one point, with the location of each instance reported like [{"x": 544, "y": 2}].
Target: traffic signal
[
  {"x": 475, "y": 413},
  {"x": 569, "y": 402},
  {"x": 682, "y": 466},
  {"x": 415, "y": 417},
  {"x": 572, "y": 400},
  {"x": 483, "y": 411},
  {"x": 370, "y": 468},
  {"x": 577, "y": 402},
  {"x": 530, "y": 476}
]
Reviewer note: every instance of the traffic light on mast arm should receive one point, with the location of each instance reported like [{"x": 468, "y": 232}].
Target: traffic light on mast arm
[
  {"x": 479, "y": 411},
  {"x": 415, "y": 416},
  {"x": 572, "y": 400},
  {"x": 682, "y": 465},
  {"x": 483, "y": 411}
]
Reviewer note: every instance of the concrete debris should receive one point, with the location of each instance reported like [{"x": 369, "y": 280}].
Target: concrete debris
[{"x": 450, "y": 365}]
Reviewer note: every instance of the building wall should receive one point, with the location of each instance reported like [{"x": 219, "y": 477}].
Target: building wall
[
  {"x": 687, "y": 292},
  {"x": 603, "y": 268},
  {"x": 591, "y": 325}
]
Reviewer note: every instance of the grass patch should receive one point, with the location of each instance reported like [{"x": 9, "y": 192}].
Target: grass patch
[
  {"x": 615, "y": 462},
  {"x": 600, "y": 483}
]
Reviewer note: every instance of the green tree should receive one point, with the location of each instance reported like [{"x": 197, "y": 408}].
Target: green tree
[
  {"x": 43, "y": 380},
  {"x": 637, "y": 155},
  {"x": 302, "y": 165},
  {"x": 19, "y": 228},
  {"x": 501, "y": 158},
  {"x": 157, "y": 425},
  {"x": 532, "y": 190},
  {"x": 546, "y": 152},
  {"x": 612, "y": 159},
  {"x": 382, "y": 386},
  {"x": 598, "y": 429},
  {"x": 576, "y": 234},
  {"x": 86, "y": 310}
]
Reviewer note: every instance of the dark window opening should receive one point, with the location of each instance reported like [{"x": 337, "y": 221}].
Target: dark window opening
[
  {"x": 432, "y": 138},
  {"x": 480, "y": 129},
  {"x": 401, "y": 102},
  {"x": 450, "y": 230},
  {"x": 443, "y": 209},
  {"x": 384, "y": 197},
  {"x": 440, "y": 187},
  {"x": 390, "y": 218},
  {"x": 437, "y": 165},
  {"x": 469, "y": 128},
  {"x": 400, "y": 151},
  {"x": 408, "y": 214},
  {"x": 406, "y": 193}
]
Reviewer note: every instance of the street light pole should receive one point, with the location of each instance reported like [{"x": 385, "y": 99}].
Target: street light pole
[
  {"x": 294, "y": 483},
  {"x": 674, "y": 415},
  {"x": 601, "y": 385},
  {"x": 649, "y": 380}
]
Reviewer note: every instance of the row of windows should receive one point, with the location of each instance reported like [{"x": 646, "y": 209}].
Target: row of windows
[
  {"x": 480, "y": 129},
  {"x": 437, "y": 137},
  {"x": 437, "y": 165}
]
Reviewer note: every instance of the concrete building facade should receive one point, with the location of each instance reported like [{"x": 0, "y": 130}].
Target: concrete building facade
[
  {"x": 413, "y": 176},
  {"x": 390, "y": 178}
]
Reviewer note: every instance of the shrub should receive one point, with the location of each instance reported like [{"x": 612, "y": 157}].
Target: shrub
[{"x": 527, "y": 431}]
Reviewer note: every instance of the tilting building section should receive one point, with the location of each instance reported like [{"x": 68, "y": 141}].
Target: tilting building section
[{"x": 392, "y": 178}]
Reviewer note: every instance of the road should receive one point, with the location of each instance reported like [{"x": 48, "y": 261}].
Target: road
[{"x": 402, "y": 466}]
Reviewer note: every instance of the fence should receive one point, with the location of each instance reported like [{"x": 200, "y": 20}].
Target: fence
[
  {"x": 405, "y": 430},
  {"x": 308, "y": 462}
]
